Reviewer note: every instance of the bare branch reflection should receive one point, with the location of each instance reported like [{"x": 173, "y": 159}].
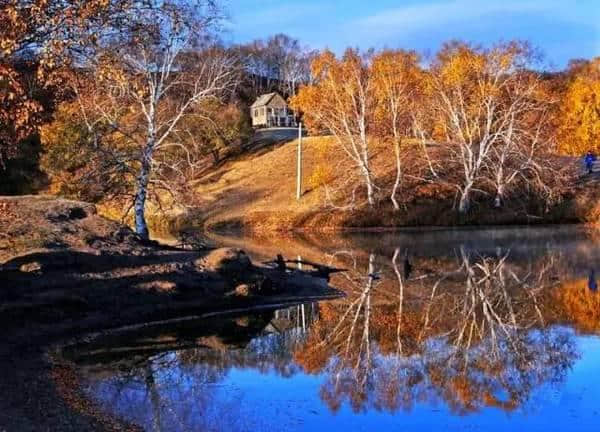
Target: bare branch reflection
[
  {"x": 470, "y": 336},
  {"x": 465, "y": 328}
]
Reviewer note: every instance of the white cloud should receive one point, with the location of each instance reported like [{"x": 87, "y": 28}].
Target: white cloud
[{"x": 413, "y": 18}]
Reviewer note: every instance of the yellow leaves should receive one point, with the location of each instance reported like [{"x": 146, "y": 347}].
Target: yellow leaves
[
  {"x": 341, "y": 86},
  {"x": 579, "y": 119},
  {"x": 397, "y": 82},
  {"x": 580, "y": 305}
]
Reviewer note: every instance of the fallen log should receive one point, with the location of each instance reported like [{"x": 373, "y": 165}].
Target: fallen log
[{"x": 320, "y": 271}]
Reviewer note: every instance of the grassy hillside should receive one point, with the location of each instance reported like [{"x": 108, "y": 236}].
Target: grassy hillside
[
  {"x": 256, "y": 191},
  {"x": 259, "y": 188}
]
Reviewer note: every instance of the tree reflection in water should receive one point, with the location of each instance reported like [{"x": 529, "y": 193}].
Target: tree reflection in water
[
  {"x": 472, "y": 337},
  {"x": 466, "y": 330},
  {"x": 168, "y": 379}
]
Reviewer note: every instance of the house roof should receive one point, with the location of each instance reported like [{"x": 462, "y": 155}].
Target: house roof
[{"x": 263, "y": 100}]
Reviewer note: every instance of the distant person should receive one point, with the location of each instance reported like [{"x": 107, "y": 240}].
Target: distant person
[
  {"x": 592, "y": 284},
  {"x": 589, "y": 160}
]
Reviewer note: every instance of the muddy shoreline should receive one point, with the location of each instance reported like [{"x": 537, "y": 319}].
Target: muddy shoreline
[{"x": 68, "y": 274}]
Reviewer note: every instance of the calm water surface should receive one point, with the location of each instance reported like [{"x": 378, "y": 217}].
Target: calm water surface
[{"x": 478, "y": 330}]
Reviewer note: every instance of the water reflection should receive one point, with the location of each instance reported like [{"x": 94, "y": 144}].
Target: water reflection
[
  {"x": 438, "y": 336},
  {"x": 473, "y": 336},
  {"x": 169, "y": 378}
]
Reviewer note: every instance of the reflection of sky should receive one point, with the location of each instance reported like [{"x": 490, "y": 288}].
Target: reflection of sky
[
  {"x": 246, "y": 399},
  {"x": 205, "y": 390}
]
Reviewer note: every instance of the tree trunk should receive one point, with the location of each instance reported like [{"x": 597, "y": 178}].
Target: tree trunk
[
  {"x": 465, "y": 200},
  {"x": 398, "y": 175},
  {"x": 141, "y": 227},
  {"x": 369, "y": 184}
]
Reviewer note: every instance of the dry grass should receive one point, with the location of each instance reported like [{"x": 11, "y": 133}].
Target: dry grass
[
  {"x": 259, "y": 189},
  {"x": 256, "y": 191}
]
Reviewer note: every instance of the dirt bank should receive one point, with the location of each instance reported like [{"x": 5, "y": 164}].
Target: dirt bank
[{"x": 66, "y": 271}]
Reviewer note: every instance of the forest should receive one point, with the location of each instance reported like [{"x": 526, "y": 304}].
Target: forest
[{"x": 128, "y": 103}]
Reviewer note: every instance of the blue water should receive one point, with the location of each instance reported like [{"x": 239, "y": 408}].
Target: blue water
[
  {"x": 186, "y": 397},
  {"x": 528, "y": 366}
]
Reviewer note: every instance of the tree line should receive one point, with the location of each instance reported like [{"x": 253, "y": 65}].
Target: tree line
[
  {"x": 485, "y": 121},
  {"x": 130, "y": 97},
  {"x": 130, "y": 100}
]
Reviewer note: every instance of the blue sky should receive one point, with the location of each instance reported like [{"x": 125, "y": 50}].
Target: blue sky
[{"x": 562, "y": 29}]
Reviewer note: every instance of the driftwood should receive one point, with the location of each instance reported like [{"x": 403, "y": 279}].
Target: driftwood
[{"x": 320, "y": 271}]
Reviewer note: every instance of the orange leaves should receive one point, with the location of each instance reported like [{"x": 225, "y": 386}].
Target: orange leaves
[
  {"x": 397, "y": 82},
  {"x": 580, "y": 305},
  {"x": 17, "y": 111},
  {"x": 579, "y": 118},
  {"x": 336, "y": 90},
  {"x": 49, "y": 28}
]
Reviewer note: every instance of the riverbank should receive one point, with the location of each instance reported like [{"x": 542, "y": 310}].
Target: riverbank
[
  {"x": 256, "y": 192},
  {"x": 67, "y": 272}
]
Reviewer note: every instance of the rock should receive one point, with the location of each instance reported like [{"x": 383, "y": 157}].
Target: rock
[
  {"x": 31, "y": 267},
  {"x": 242, "y": 290},
  {"x": 124, "y": 234},
  {"x": 225, "y": 261},
  {"x": 158, "y": 286}
]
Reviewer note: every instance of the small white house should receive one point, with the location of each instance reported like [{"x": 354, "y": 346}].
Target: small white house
[{"x": 271, "y": 110}]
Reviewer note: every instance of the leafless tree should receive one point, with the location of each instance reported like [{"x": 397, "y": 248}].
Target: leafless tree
[{"x": 279, "y": 62}]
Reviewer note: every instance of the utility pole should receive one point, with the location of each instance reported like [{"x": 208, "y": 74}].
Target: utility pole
[{"x": 299, "y": 167}]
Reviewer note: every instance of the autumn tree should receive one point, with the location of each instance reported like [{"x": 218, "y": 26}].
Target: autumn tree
[
  {"x": 341, "y": 102},
  {"x": 36, "y": 39},
  {"x": 396, "y": 80},
  {"x": 488, "y": 107},
  {"x": 579, "y": 114},
  {"x": 142, "y": 84}
]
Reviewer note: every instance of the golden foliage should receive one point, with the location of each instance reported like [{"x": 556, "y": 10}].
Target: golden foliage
[
  {"x": 47, "y": 27},
  {"x": 579, "y": 116},
  {"x": 580, "y": 305}
]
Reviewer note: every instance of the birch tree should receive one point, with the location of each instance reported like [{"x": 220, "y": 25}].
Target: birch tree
[
  {"x": 396, "y": 79},
  {"x": 157, "y": 72},
  {"x": 482, "y": 101},
  {"x": 341, "y": 101}
]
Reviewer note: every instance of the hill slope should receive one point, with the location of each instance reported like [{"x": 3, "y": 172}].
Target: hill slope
[{"x": 256, "y": 191}]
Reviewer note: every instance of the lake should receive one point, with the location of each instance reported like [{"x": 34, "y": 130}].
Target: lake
[{"x": 476, "y": 329}]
